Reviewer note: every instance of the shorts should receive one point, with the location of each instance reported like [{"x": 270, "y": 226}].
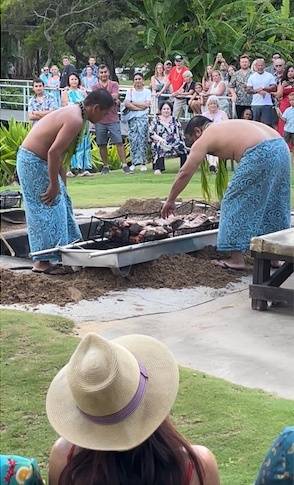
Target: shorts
[
  {"x": 110, "y": 130},
  {"x": 263, "y": 112},
  {"x": 289, "y": 137}
]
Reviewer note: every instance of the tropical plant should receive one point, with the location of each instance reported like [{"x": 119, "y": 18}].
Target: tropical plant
[
  {"x": 10, "y": 140},
  {"x": 160, "y": 32},
  {"x": 113, "y": 158},
  {"x": 220, "y": 177}
]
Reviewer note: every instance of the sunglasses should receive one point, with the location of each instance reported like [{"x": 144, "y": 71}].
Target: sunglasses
[{"x": 279, "y": 65}]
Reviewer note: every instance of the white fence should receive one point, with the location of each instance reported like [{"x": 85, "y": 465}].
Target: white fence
[{"x": 15, "y": 95}]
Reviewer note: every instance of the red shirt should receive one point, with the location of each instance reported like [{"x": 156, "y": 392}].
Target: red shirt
[
  {"x": 112, "y": 116},
  {"x": 176, "y": 78}
]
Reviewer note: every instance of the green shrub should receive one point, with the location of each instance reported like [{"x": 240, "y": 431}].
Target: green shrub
[
  {"x": 112, "y": 155},
  {"x": 10, "y": 140}
]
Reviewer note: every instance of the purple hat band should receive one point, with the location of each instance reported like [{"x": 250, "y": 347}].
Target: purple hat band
[{"x": 129, "y": 409}]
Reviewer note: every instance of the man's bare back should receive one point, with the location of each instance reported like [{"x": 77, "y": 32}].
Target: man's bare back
[
  {"x": 230, "y": 139},
  {"x": 64, "y": 122}
]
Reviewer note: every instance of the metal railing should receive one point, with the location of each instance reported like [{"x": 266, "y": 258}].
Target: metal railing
[{"x": 15, "y": 95}]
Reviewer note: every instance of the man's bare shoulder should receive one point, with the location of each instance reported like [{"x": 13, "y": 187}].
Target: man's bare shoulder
[{"x": 69, "y": 113}]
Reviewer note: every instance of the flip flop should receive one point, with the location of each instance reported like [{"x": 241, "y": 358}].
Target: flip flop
[
  {"x": 53, "y": 271},
  {"x": 223, "y": 264}
]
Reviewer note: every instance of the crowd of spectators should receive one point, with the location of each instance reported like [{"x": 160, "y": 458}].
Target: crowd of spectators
[{"x": 250, "y": 92}]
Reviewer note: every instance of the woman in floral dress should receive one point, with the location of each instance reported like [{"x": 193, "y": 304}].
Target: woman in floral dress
[{"x": 167, "y": 139}]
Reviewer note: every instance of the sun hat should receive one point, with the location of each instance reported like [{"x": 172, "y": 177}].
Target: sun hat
[
  {"x": 178, "y": 57},
  {"x": 113, "y": 394}
]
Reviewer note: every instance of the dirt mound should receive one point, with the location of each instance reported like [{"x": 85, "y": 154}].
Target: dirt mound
[
  {"x": 179, "y": 271},
  {"x": 140, "y": 206}
]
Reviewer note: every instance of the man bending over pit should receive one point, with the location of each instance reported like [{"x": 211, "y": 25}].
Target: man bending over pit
[
  {"x": 49, "y": 215},
  {"x": 257, "y": 200}
]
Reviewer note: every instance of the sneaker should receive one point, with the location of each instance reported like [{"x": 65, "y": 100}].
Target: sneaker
[
  {"x": 132, "y": 168},
  {"x": 157, "y": 172},
  {"x": 69, "y": 174},
  {"x": 143, "y": 168},
  {"x": 86, "y": 173},
  {"x": 105, "y": 170},
  {"x": 126, "y": 169}
]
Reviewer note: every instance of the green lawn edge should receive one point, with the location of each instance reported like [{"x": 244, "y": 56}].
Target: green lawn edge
[
  {"x": 236, "y": 423},
  {"x": 114, "y": 189}
]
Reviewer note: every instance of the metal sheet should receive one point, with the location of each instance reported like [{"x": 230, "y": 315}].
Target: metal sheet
[{"x": 116, "y": 258}]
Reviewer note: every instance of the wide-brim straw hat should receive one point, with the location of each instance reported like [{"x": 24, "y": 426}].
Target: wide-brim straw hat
[{"x": 112, "y": 395}]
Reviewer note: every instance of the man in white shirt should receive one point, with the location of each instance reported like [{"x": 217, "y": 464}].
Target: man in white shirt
[{"x": 261, "y": 84}]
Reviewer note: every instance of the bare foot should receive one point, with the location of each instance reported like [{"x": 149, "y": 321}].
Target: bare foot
[
  {"x": 42, "y": 266},
  {"x": 228, "y": 264},
  {"x": 51, "y": 270}
]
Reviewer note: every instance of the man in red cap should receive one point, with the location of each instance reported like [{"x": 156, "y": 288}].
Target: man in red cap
[{"x": 176, "y": 80}]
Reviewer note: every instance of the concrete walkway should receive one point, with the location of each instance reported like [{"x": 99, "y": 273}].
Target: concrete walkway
[{"x": 214, "y": 331}]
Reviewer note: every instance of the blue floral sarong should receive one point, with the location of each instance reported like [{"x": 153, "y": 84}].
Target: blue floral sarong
[
  {"x": 15, "y": 470},
  {"x": 257, "y": 200},
  {"x": 138, "y": 137},
  {"x": 48, "y": 226},
  {"x": 278, "y": 464}
]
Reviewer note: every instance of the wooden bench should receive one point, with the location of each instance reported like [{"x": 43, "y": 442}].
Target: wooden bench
[{"x": 277, "y": 246}]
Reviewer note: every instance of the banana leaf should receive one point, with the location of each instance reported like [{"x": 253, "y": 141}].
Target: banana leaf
[
  {"x": 205, "y": 174},
  {"x": 221, "y": 179}
]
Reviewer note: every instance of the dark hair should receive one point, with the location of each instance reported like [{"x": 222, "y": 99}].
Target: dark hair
[
  {"x": 162, "y": 459},
  {"x": 163, "y": 103},
  {"x": 92, "y": 57},
  {"x": 196, "y": 122},
  {"x": 99, "y": 96},
  {"x": 76, "y": 75},
  {"x": 89, "y": 67},
  {"x": 285, "y": 73},
  {"x": 247, "y": 109},
  {"x": 38, "y": 80},
  {"x": 103, "y": 66},
  {"x": 138, "y": 74}
]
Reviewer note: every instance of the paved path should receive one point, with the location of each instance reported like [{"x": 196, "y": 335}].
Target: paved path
[{"x": 214, "y": 331}]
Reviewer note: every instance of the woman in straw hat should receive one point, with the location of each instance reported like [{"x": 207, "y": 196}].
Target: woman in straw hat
[{"x": 110, "y": 404}]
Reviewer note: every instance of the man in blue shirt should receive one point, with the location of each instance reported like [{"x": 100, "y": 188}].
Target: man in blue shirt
[
  {"x": 41, "y": 103},
  {"x": 92, "y": 63}
]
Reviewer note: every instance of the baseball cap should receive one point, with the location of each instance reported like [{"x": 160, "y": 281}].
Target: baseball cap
[{"x": 178, "y": 58}]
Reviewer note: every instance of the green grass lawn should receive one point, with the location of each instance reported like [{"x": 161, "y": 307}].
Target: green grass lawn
[
  {"x": 236, "y": 423},
  {"x": 114, "y": 189}
]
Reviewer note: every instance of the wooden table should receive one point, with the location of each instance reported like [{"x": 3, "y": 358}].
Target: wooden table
[{"x": 277, "y": 246}]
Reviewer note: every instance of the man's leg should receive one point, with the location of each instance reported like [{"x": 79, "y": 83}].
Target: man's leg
[
  {"x": 179, "y": 104},
  {"x": 42, "y": 219},
  {"x": 256, "y": 113},
  {"x": 267, "y": 115},
  {"x": 116, "y": 139},
  {"x": 101, "y": 140}
]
